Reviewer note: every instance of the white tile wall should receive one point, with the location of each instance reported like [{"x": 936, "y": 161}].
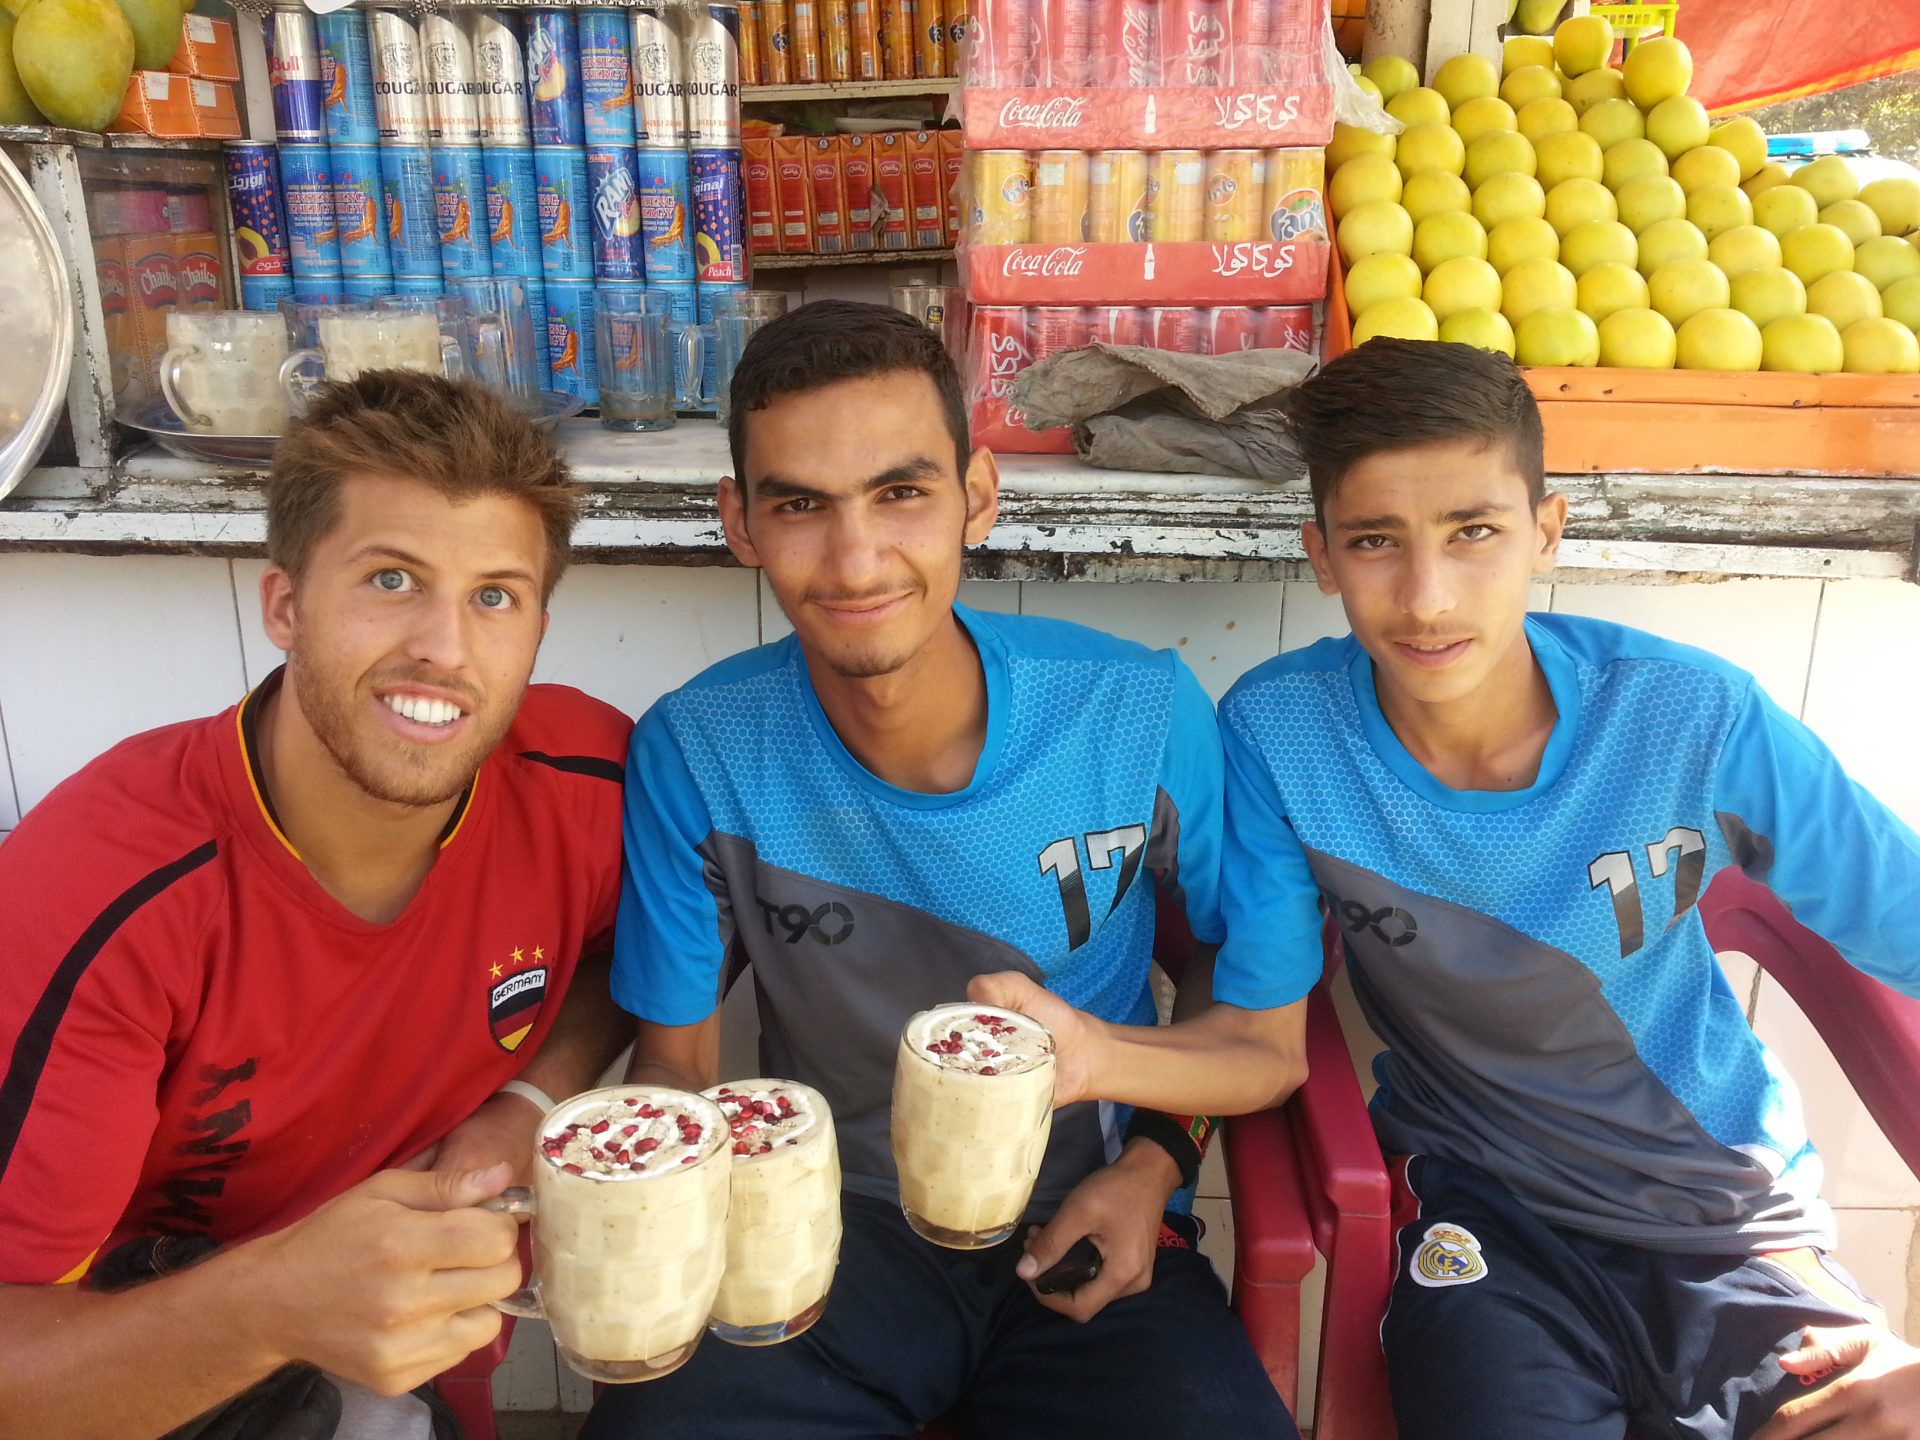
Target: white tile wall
[
  {"x": 1863, "y": 691},
  {"x": 1221, "y": 631}
]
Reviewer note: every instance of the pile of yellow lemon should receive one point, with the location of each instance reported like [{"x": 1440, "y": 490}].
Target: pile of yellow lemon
[{"x": 1567, "y": 212}]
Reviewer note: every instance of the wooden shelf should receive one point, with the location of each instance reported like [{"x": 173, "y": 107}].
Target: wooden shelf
[
  {"x": 50, "y": 135},
  {"x": 852, "y": 257},
  {"x": 850, "y": 90}
]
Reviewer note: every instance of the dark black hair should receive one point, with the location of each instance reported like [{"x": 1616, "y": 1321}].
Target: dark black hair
[
  {"x": 1388, "y": 394},
  {"x": 833, "y": 340}
]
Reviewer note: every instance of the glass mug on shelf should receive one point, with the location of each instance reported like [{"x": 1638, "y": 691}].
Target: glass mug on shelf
[
  {"x": 221, "y": 371},
  {"x": 737, "y": 314},
  {"x": 642, "y": 349},
  {"x": 342, "y": 342},
  {"x": 499, "y": 335}
]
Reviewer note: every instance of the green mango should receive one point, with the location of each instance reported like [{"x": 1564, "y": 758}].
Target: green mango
[
  {"x": 156, "y": 30},
  {"x": 75, "y": 58},
  {"x": 16, "y": 107}
]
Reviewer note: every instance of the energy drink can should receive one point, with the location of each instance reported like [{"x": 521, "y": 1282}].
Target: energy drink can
[
  {"x": 897, "y": 48},
  {"x": 306, "y": 189},
  {"x": 930, "y": 39},
  {"x": 413, "y": 231},
  {"x": 399, "y": 82},
  {"x": 1177, "y": 196},
  {"x": 805, "y": 34},
  {"x": 659, "y": 80},
  {"x": 1059, "y": 197},
  {"x": 346, "y": 68},
  {"x": 776, "y": 42},
  {"x": 295, "y": 72},
  {"x": 606, "y": 77},
  {"x": 367, "y": 287},
  {"x": 553, "y": 78},
  {"x": 613, "y": 179},
  {"x": 501, "y": 72},
  {"x": 719, "y": 217},
  {"x": 310, "y": 291},
  {"x": 460, "y": 211},
  {"x": 666, "y": 213},
  {"x": 536, "y": 288},
  {"x": 419, "y": 285},
  {"x": 453, "y": 82},
  {"x": 1117, "y": 197},
  {"x": 1000, "y": 197},
  {"x": 264, "y": 292},
  {"x": 359, "y": 209},
  {"x": 259, "y": 219},
  {"x": 513, "y": 212},
  {"x": 564, "y": 202},
  {"x": 1293, "y": 206},
  {"x": 570, "y": 338},
  {"x": 836, "y": 39},
  {"x": 713, "y": 78},
  {"x": 1236, "y": 195}
]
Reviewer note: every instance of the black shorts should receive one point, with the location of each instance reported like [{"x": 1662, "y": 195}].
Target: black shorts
[{"x": 1501, "y": 1327}]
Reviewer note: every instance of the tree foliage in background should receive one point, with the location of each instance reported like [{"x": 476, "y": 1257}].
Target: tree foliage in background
[{"x": 1887, "y": 109}]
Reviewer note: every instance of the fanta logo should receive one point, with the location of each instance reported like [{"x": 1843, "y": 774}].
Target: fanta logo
[
  {"x": 1297, "y": 214},
  {"x": 1062, "y": 260},
  {"x": 1061, "y": 112},
  {"x": 1014, "y": 188},
  {"x": 1254, "y": 258},
  {"x": 1255, "y": 109},
  {"x": 1222, "y": 190}
]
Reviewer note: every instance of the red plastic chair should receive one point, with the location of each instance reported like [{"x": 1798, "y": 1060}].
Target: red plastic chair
[
  {"x": 467, "y": 1389},
  {"x": 1874, "y": 1033}
]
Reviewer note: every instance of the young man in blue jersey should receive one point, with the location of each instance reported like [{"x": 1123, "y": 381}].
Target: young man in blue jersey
[
  {"x": 1612, "y": 1218},
  {"x": 898, "y": 798}
]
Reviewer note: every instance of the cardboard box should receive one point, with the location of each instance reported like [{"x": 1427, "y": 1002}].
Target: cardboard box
[
  {"x": 856, "y": 168},
  {"x": 1158, "y": 118},
  {"x": 953, "y": 163},
  {"x": 214, "y": 109},
  {"x": 926, "y": 195},
  {"x": 793, "y": 194},
  {"x": 207, "y": 49},
  {"x": 159, "y": 103},
  {"x": 828, "y": 179},
  {"x": 1193, "y": 272},
  {"x": 199, "y": 276},
  {"x": 763, "y": 223},
  {"x": 153, "y": 291},
  {"x": 891, "y": 194}
]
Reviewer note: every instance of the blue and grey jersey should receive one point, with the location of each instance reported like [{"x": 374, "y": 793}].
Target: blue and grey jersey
[
  {"x": 859, "y": 903},
  {"x": 1534, "y": 959}
]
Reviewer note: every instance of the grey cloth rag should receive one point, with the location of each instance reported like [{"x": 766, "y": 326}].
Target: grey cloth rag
[{"x": 1136, "y": 408}]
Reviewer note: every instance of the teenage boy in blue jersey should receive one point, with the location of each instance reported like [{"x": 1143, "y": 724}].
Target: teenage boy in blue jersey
[
  {"x": 1612, "y": 1213},
  {"x": 902, "y": 796}
]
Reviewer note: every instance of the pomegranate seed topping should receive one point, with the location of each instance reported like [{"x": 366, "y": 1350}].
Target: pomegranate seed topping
[
  {"x": 632, "y": 1104},
  {"x": 647, "y": 1145},
  {"x": 988, "y": 1070},
  {"x": 601, "y": 1128},
  {"x": 572, "y": 1169},
  {"x": 786, "y": 1106},
  {"x": 629, "y": 1129},
  {"x": 765, "y": 1146},
  {"x": 692, "y": 1134},
  {"x": 688, "y": 1159},
  {"x": 988, "y": 1019},
  {"x": 989, "y": 1052},
  {"x": 741, "y": 1147}
]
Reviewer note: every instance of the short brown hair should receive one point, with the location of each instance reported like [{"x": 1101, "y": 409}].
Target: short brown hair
[
  {"x": 1392, "y": 394},
  {"x": 455, "y": 435}
]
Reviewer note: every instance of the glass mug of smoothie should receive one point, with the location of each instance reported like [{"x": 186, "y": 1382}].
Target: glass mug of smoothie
[
  {"x": 221, "y": 372},
  {"x": 972, "y": 1110},
  {"x": 783, "y": 1228},
  {"x": 629, "y": 1210}
]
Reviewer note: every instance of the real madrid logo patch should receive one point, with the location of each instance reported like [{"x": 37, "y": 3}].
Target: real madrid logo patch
[{"x": 1448, "y": 1255}]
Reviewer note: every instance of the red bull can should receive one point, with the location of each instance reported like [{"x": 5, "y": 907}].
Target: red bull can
[
  {"x": 413, "y": 230},
  {"x": 553, "y": 78},
  {"x": 513, "y": 212},
  {"x": 613, "y": 179},
  {"x": 359, "y": 209},
  {"x": 501, "y": 73},
  {"x": 460, "y": 211},
  {"x": 666, "y": 213},
  {"x": 346, "y": 69},
  {"x": 259, "y": 219},
  {"x": 606, "y": 77},
  {"x": 306, "y": 189},
  {"x": 719, "y": 217},
  {"x": 399, "y": 81},
  {"x": 295, "y": 72},
  {"x": 453, "y": 85},
  {"x": 264, "y": 292},
  {"x": 429, "y": 286},
  {"x": 659, "y": 80},
  {"x": 367, "y": 287},
  {"x": 713, "y": 77},
  {"x": 565, "y": 203},
  {"x": 570, "y": 338}
]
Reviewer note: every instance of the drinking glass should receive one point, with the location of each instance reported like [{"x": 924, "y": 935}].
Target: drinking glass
[
  {"x": 500, "y": 335},
  {"x": 221, "y": 371},
  {"x": 737, "y": 314},
  {"x": 639, "y": 343}
]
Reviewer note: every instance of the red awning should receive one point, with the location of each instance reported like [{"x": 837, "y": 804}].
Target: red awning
[{"x": 1755, "y": 52}]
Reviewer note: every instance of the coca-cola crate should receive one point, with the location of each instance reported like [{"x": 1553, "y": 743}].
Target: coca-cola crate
[
  {"x": 1156, "y": 118},
  {"x": 1259, "y": 272}
]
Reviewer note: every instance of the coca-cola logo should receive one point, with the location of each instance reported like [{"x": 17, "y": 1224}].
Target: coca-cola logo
[
  {"x": 1061, "y": 261},
  {"x": 1059, "y": 112},
  {"x": 1255, "y": 110},
  {"x": 1267, "y": 261}
]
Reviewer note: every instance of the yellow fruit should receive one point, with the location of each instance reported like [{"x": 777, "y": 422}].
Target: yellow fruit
[
  {"x": 1747, "y": 247},
  {"x": 1536, "y": 285},
  {"x": 1556, "y": 335},
  {"x": 1401, "y": 319},
  {"x": 1784, "y": 209},
  {"x": 1363, "y": 179},
  {"x": 1632, "y": 160},
  {"x": 1530, "y": 83},
  {"x": 1478, "y": 116},
  {"x": 156, "y": 30},
  {"x": 1385, "y": 276},
  {"x": 1466, "y": 77},
  {"x": 1829, "y": 180},
  {"x": 1447, "y": 236},
  {"x": 1718, "y": 340},
  {"x": 1857, "y": 220},
  {"x": 1743, "y": 138},
  {"x": 1611, "y": 121},
  {"x": 1816, "y": 250},
  {"x": 1513, "y": 242},
  {"x": 1770, "y": 174},
  {"x": 1705, "y": 166},
  {"x": 1509, "y": 196},
  {"x": 1430, "y": 147},
  {"x": 1801, "y": 345},
  {"x": 1485, "y": 329},
  {"x": 1578, "y": 202},
  {"x": 1536, "y": 17},
  {"x": 1350, "y": 140},
  {"x": 1886, "y": 260},
  {"x": 1420, "y": 106},
  {"x": 1716, "y": 209},
  {"x": 1521, "y": 51},
  {"x": 1607, "y": 288},
  {"x": 1498, "y": 152},
  {"x": 1677, "y": 125},
  {"x": 16, "y": 107},
  {"x": 1598, "y": 242},
  {"x": 1763, "y": 296},
  {"x": 1686, "y": 287},
  {"x": 1380, "y": 227},
  {"x": 1896, "y": 200},
  {"x": 1879, "y": 347},
  {"x": 1635, "y": 338},
  {"x": 1582, "y": 43},
  {"x": 1668, "y": 241},
  {"x": 1657, "y": 70},
  {"x": 1538, "y": 119},
  {"x": 1393, "y": 74},
  {"x": 1572, "y": 156},
  {"x": 1366, "y": 85},
  {"x": 1650, "y": 201},
  {"x": 1434, "y": 191},
  {"x": 1844, "y": 297},
  {"x": 1584, "y": 92},
  {"x": 1462, "y": 283},
  {"x": 74, "y": 58},
  {"x": 1901, "y": 301}
]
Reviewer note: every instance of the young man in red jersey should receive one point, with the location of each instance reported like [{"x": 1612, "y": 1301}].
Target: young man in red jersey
[{"x": 264, "y": 969}]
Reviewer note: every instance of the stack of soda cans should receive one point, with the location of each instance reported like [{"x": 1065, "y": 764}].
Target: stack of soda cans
[
  {"x": 301, "y": 171},
  {"x": 563, "y": 196}
]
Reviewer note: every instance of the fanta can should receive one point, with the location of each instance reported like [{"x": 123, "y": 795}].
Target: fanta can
[
  {"x": 1000, "y": 185},
  {"x": 1117, "y": 197}
]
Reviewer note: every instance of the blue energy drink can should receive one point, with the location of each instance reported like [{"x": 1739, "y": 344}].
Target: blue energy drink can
[
  {"x": 613, "y": 179},
  {"x": 427, "y": 285},
  {"x": 570, "y": 339},
  {"x": 513, "y": 213},
  {"x": 413, "y": 232},
  {"x": 666, "y": 213},
  {"x": 710, "y": 378},
  {"x": 553, "y": 78},
  {"x": 565, "y": 203},
  {"x": 367, "y": 287},
  {"x": 294, "y": 72},
  {"x": 359, "y": 208},
  {"x": 719, "y": 217},
  {"x": 346, "y": 69},
  {"x": 309, "y": 291},
  {"x": 537, "y": 308},
  {"x": 306, "y": 188},
  {"x": 460, "y": 211},
  {"x": 264, "y": 292},
  {"x": 606, "y": 77}
]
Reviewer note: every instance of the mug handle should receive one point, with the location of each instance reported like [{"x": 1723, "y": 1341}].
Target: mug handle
[
  {"x": 453, "y": 359},
  {"x": 524, "y": 1303},
  {"x": 299, "y": 387},
  {"x": 170, "y": 367},
  {"x": 489, "y": 353},
  {"x": 692, "y": 340}
]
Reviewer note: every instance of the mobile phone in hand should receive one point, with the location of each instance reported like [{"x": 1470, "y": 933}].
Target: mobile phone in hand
[{"x": 1079, "y": 1266}]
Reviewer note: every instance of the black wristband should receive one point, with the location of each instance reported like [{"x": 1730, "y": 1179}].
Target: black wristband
[{"x": 1171, "y": 1136}]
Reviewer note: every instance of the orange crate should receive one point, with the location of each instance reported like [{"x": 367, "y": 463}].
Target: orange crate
[{"x": 1696, "y": 421}]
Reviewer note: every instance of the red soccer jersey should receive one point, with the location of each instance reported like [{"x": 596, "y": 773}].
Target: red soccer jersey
[{"x": 200, "y": 1040}]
